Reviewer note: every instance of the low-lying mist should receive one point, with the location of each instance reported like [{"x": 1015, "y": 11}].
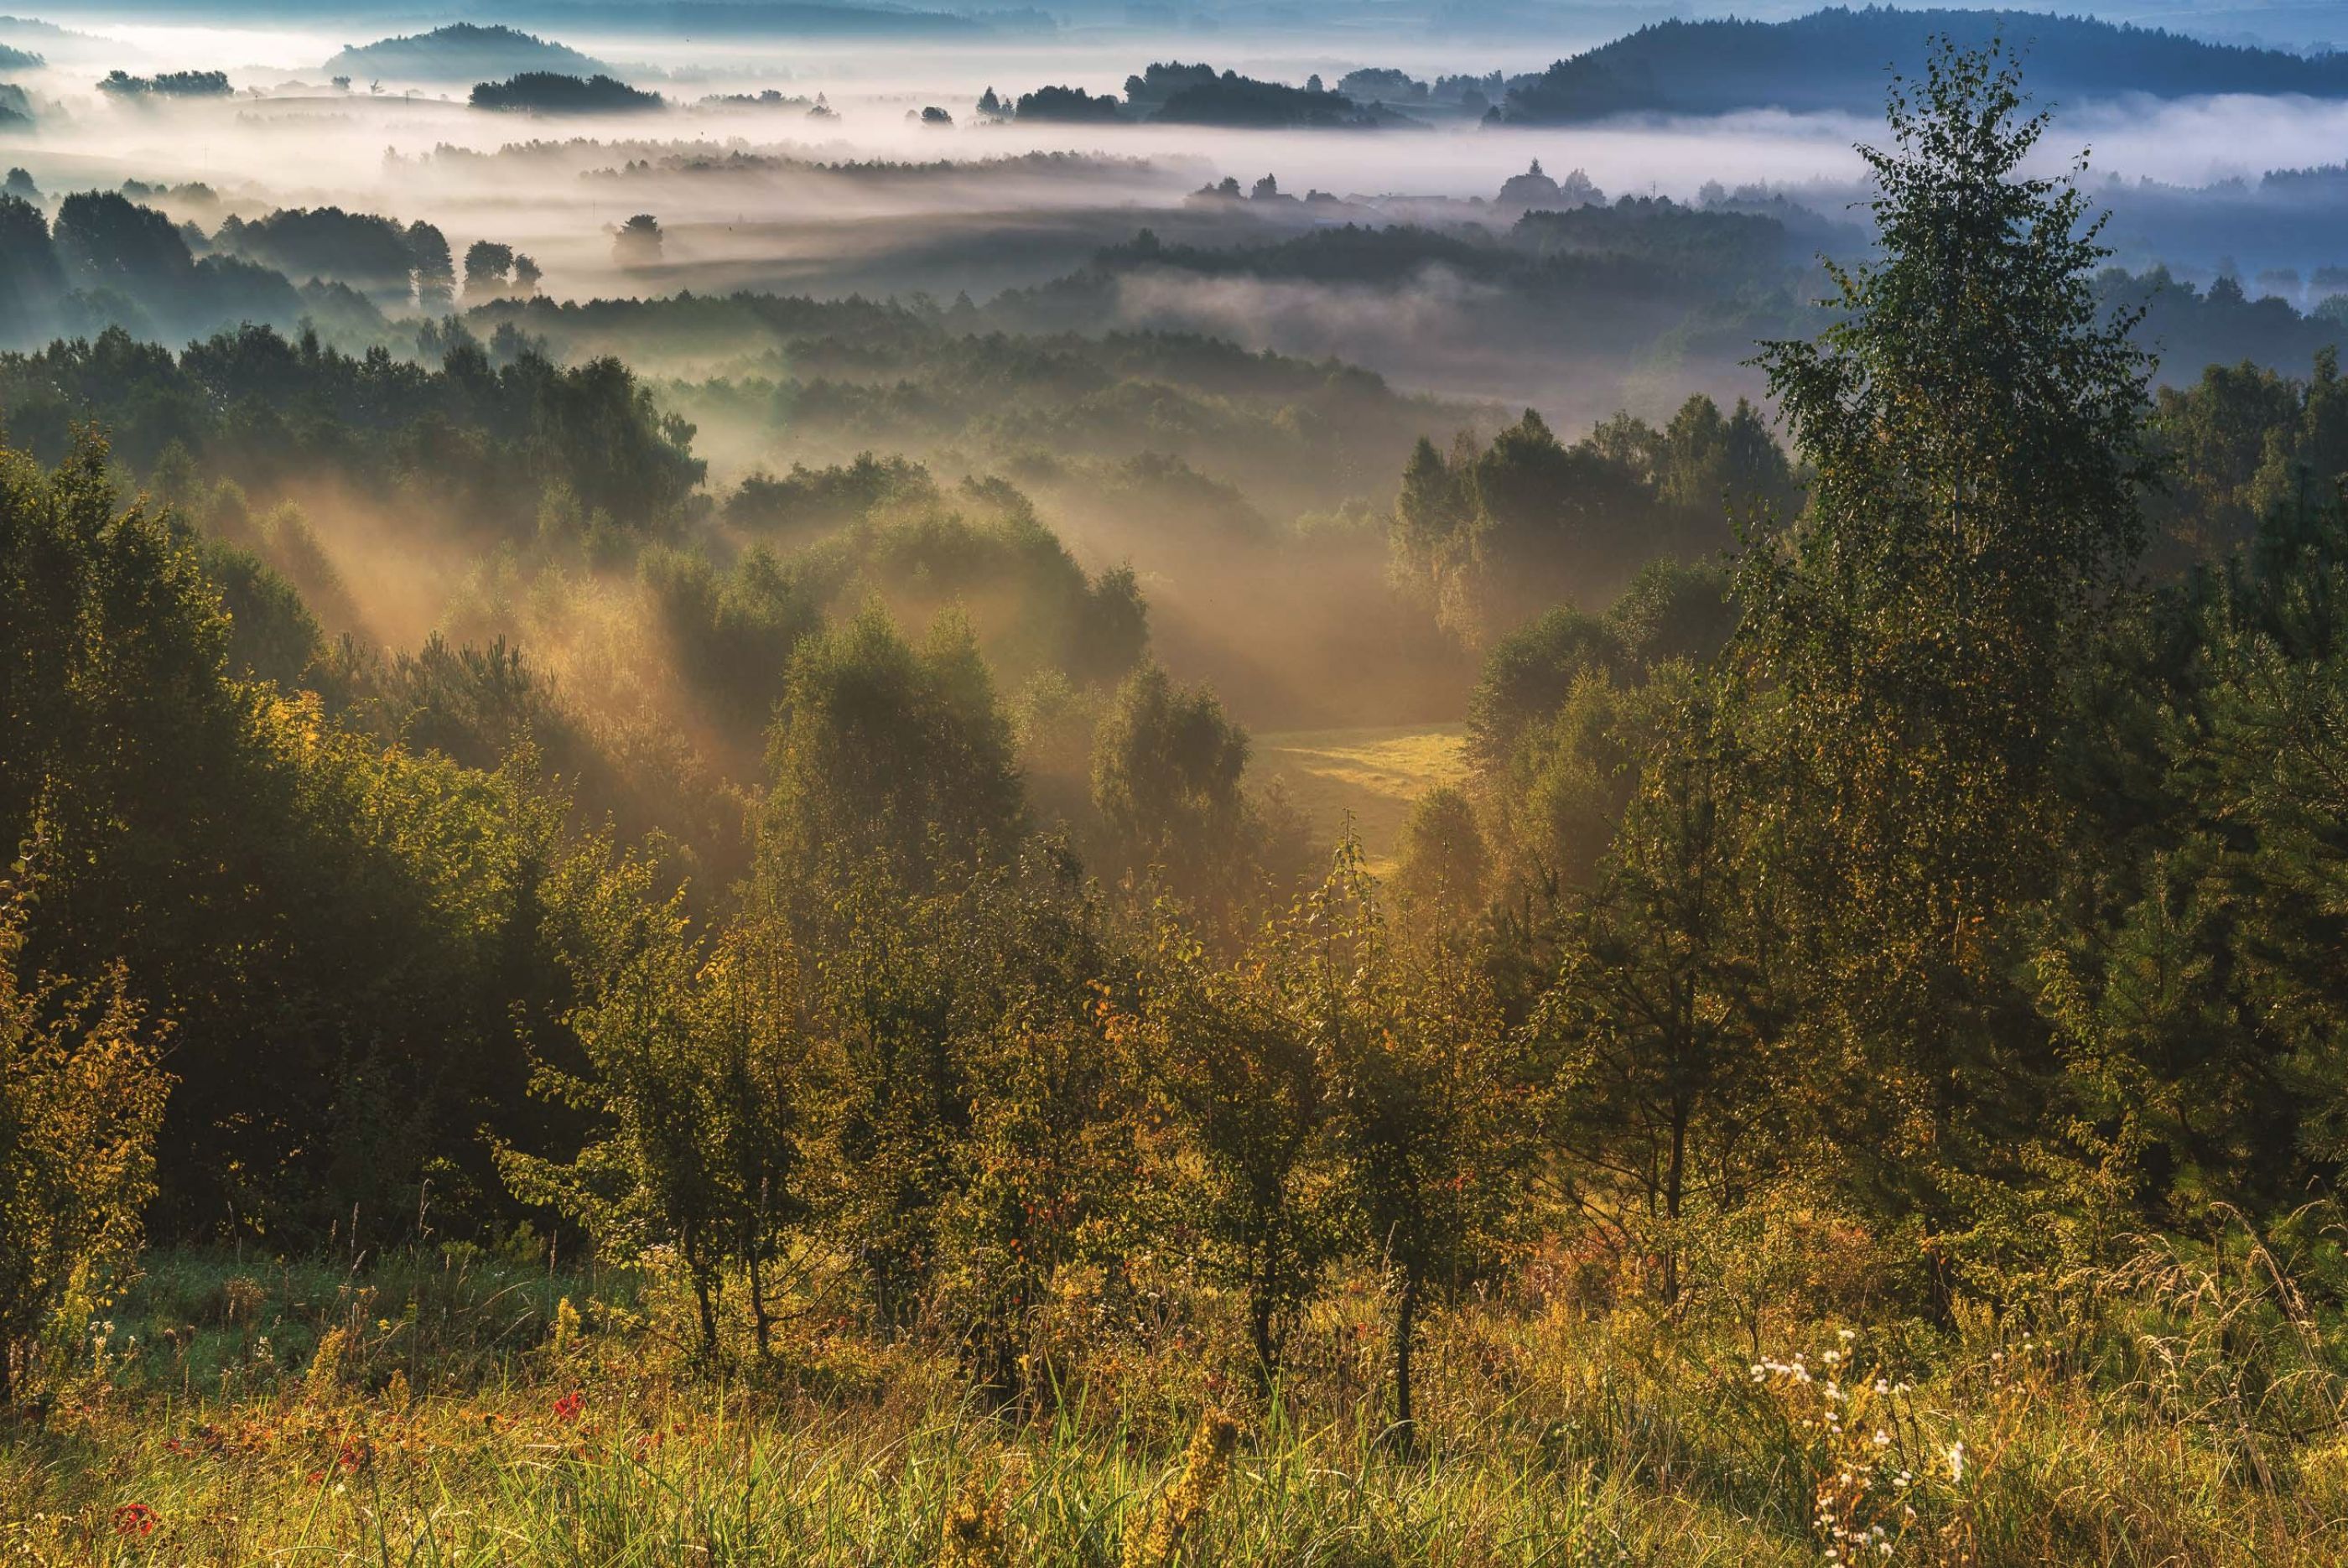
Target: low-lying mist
[{"x": 1199, "y": 353}]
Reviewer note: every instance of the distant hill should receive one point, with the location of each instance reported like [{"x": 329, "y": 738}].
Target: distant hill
[
  {"x": 1196, "y": 95},
  {"x": 1067, "y": 106},
  {"x": 1836, "y": 60},
  {"x": 53, "y": 44},
  {"x": 15, "y": 59},
  {"x": 1232, "y": 99},
  {"x": 551, "y": 92},
  {"x": 783, "y": 19},
  {"x": 19, "y": 30},
  {"x": 462, "y": 52}
]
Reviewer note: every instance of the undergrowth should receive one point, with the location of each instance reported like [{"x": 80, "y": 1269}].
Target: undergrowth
[{"x": 460, "y": 1408}]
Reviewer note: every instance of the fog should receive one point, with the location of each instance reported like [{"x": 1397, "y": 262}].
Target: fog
[
  {"x": 288, "y": 139},
  {"x": 1389, "y": 250},
  {"x": 869, "y": 202}
]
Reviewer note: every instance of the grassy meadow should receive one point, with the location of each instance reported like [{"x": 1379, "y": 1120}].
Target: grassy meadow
[
  {"x": 1372, "y": 775},
  {"x": 460, "y": 1408}
]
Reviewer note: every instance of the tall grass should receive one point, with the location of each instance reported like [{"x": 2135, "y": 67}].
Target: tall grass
[{"x": 460, "y": 1408}]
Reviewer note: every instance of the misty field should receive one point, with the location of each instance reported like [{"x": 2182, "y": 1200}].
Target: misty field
[{"x": 1373, "y": 776}]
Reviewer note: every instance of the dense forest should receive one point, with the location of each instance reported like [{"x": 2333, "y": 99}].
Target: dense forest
[{"x": 558, "y": 1004}]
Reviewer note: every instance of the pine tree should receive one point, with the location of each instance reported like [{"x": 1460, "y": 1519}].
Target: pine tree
[{"x": 1971, "y": 427}]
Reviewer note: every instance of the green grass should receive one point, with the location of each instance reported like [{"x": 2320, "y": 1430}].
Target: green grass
[
  {"x": 1375, "y": 774},
  {"x": 419, "y": 1413}
]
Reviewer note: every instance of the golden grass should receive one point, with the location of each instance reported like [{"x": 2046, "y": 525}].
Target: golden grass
[
  {"x": 1376, "y": 774},
  {"x": 465, "y": 1413}
]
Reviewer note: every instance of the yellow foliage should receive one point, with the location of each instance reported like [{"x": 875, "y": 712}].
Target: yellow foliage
[
  {"x": 327, "y": 1362},
  {"x": 81, "y": 1096},
  {"x": 1180, "y": 1512},
  {"x": 566, "y": 1326},
  {"x": 977, "y": 1531}
]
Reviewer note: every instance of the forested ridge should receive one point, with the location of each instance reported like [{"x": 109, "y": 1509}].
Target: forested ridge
[
  {"x": 1837, "y": 57},
  {"x": 645, "y": 1018}
]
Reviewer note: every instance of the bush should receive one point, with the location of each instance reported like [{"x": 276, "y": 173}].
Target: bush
[{"x": 81, "y": 1096}]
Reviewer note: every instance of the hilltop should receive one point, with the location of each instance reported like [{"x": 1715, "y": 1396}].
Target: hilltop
[
  {"x": 1838, "y": 60},
  {"x": 788, "y": 19},
  {"x": 462, "y": 52}
]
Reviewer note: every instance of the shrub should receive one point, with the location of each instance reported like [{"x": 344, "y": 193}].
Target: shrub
[{"x": 80, "y": 1098}]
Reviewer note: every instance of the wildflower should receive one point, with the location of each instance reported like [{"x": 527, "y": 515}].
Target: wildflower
[
  {"x": 1882, "y": 1438},
  {"x": 566, "y": 1325},
  {"x": 1185, "y": 1504},
  {"x": 1957, "y": 1462},
  {"x": 133, "y": 1518},
  {"x": 327, "y": 1362},
  {"x": 567, "y": 1408},
  {"x": 976, "y": 1534}
]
